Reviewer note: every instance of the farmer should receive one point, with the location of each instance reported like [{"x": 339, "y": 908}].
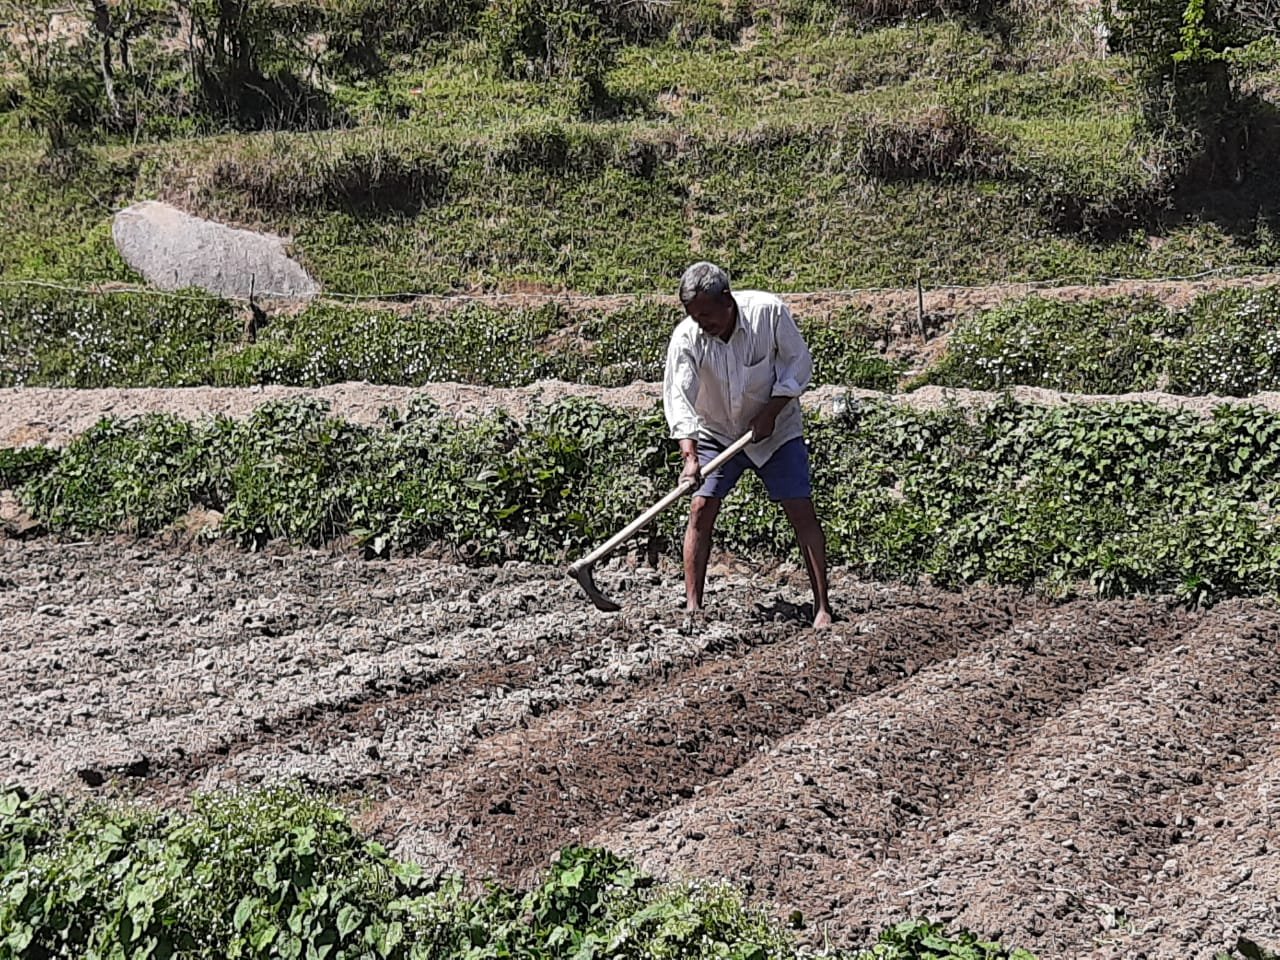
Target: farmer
[{"x": 738, "y": 362}]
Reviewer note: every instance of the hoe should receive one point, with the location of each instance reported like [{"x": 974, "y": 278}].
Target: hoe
[{"x": 584, "y": 570}]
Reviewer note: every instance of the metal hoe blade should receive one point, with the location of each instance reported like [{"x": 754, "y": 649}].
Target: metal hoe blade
[{"x": 584, "y": 573}]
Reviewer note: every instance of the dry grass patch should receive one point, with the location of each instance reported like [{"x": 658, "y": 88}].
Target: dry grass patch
[{"x": 933, "y": 144}]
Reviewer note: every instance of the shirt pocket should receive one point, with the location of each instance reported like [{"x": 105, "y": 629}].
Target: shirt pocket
[{"x": 757, "y": 383}]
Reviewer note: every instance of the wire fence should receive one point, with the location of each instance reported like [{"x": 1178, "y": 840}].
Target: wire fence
[{"x": 337, "y": 297}]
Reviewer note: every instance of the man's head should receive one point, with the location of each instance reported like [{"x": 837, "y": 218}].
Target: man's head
[{"x": 704, "y": 292}]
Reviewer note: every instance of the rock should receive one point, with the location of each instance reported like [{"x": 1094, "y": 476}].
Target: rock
[
  {"x": 173, "y": 250},
  {"x": 15, "y": 522}
]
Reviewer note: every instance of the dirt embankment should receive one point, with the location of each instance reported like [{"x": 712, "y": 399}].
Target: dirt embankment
[
  {"x": 1087, "y": 779},
  {"x": 37, "y": 415}
]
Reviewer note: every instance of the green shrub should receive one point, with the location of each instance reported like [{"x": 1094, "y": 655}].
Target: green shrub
[
  {"x": 251, "y": 875},
  {"x": 368, "y": 36},
  {"x": 930, "y": 940},
  {"x": 140, "y": 477},
  {"x": 1225, "y": 343},
  {"x": 52, "y": 338},
  {"x": 563, "y": 40},
  {"x": 1092, "y": 346},
  {"x": 57, "y": 338},
  {"x": 23, "y": 464},
  {"x": 1230, "y": 344}
]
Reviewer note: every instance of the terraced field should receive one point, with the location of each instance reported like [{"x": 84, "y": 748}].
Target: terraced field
[{"x": 1085, "y": 778}]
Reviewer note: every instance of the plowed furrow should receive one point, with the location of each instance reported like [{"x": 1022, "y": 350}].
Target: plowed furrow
[
  {"x": 1102, "y": 812},
  {"x": 833, "y": 802},
  {"x": 627, "y": 753}
]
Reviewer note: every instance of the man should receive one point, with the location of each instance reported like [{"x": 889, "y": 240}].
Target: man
[{"x": 737, "y": 362}]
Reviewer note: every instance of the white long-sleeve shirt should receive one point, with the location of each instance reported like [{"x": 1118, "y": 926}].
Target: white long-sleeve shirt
[{"x": 713, "y": 389}]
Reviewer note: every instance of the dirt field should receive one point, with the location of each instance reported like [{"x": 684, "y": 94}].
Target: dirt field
[{"x": 1085, "y": 779}]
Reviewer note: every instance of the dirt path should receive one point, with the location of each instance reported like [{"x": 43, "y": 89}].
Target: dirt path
[{"x": 1089, "y": 779}]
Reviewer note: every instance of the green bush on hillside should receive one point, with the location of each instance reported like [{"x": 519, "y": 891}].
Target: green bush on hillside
[
  {"x": 563, "y": 40},
  {"x": 1092, "y": 346},
  {"x": 52, "y": 338},
  {"x": 1230, "y": 344},
  {"x": 367, "y": 37},
  {"x": 56, "y": 338}
]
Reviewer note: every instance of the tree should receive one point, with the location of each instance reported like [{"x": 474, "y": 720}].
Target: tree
[{"x": 1195, "y": 54}]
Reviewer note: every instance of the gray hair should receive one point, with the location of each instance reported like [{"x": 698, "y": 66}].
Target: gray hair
[{"x": 703, "y": 277}]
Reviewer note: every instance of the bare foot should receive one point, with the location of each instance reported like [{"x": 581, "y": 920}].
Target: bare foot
[{"x": 823, "y": 620}]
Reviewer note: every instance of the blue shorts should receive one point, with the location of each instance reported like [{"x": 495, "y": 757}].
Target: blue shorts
[{"x": 785, "y": 474}]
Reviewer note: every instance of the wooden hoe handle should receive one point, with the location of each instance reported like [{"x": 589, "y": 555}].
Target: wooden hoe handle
[{"x": 582, "y": 569}]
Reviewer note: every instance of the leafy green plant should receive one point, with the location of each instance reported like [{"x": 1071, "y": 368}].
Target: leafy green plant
[
  {"x": 48, "y": 338},
  {"x": 279, "y": 872},
  {"x": 274, "y": 873},
  {"x": 928, "y": 940},
  {"x": 56, "y": 339},
  {"x": 1116, "y": 499},
  {"x": 1225, "y": 343},
  {"x": 22, "y": 464}
]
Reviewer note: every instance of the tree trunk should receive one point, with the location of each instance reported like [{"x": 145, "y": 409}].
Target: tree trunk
[{"x": 102, "y": 23}]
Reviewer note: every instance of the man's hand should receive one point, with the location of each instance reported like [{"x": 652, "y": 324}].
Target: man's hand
[
  {"x": 691, "y": 469},
  {"x": 762, "y": 425}
]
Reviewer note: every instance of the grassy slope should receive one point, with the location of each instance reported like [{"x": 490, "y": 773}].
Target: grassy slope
[{"x": 767, "y": 156}]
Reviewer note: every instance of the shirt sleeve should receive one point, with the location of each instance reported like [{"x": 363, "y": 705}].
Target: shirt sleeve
[
  {"x": 680, "y": 388},
  {"x": 794, "y": 365}
]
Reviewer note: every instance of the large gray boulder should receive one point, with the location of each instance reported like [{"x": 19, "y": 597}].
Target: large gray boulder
[{"x": 174, "y": 250}]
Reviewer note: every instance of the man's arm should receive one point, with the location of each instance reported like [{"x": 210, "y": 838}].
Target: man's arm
[
  {"x": 763, "y": 422},
  {"x": 689, "y": 455},
  {"x": 679, "y": 393},
  {"x": 792, "y": 370}
]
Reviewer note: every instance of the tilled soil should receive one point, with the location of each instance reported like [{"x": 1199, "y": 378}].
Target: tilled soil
[{"x": 1084, "y": 778}]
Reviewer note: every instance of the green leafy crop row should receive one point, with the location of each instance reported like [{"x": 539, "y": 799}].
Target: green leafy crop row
[
  {"x": 278, "y": 873},
  {"x": 1225, "y": 343},
  {"x": 50, "y": 338},
  {"x": 1128, "y": 498}
]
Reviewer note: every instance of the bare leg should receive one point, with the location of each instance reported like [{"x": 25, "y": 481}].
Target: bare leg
[
  {"x": 813, "y": 547},
  {"x": 697, "y": 548}
]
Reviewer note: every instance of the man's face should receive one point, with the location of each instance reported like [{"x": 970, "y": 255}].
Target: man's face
[{"x": 713, "y": 313}]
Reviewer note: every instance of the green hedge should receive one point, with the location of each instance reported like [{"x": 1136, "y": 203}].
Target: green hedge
[
  {"x": 1225, "y": 343},
  {"x": 1128, "y": 498}
]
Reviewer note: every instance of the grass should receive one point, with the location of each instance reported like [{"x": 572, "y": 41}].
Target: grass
[{"x": 760, "y": 154}]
